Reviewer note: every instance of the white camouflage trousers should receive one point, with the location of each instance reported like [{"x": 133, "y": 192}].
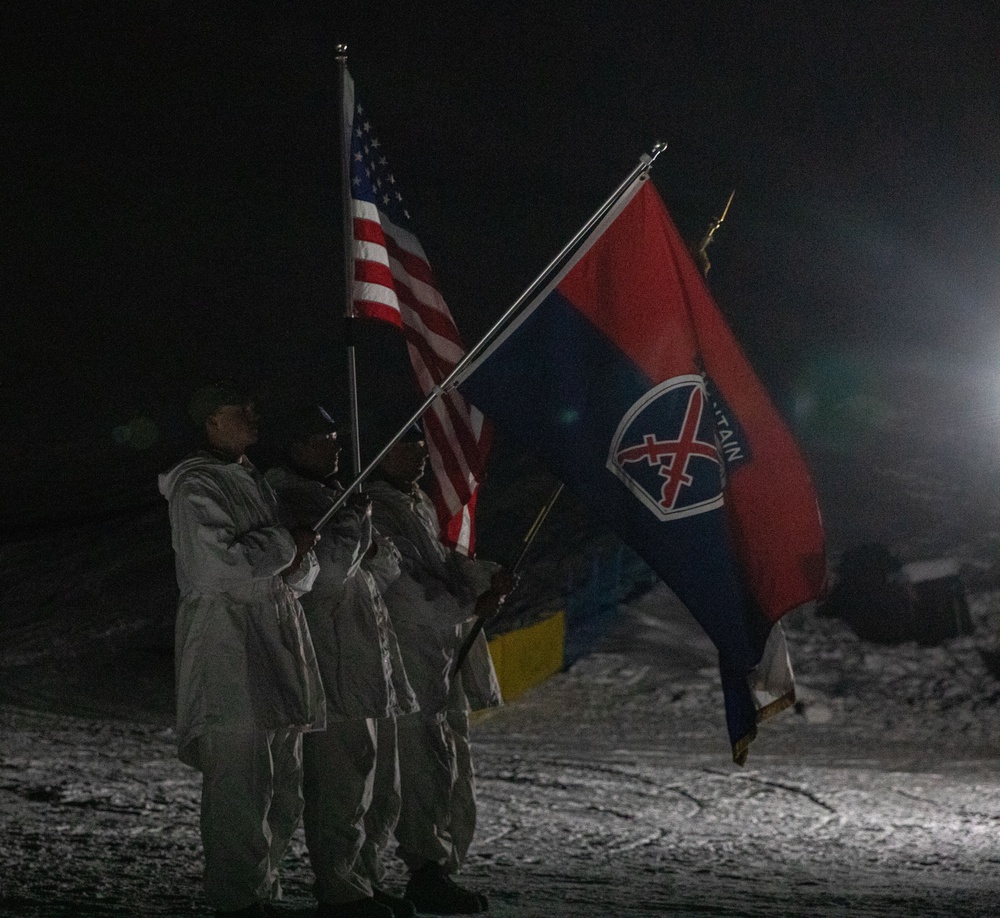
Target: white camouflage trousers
[
  {"x": 251, "y": 803},
  {"x": 438, "y": 816},
  {"x": 351, "y": 786}
]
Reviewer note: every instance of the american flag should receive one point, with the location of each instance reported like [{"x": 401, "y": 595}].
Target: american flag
[{"x": 393, "y": 282}]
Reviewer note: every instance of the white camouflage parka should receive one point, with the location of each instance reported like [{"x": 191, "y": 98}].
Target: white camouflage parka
[
  {"x": 355, "y": 642},
  {"x": 432, "y": 605},
  {"x": 244, "y": 657}
]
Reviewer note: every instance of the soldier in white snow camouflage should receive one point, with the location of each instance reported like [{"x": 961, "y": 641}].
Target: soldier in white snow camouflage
[{"x": 248, "y": 685}]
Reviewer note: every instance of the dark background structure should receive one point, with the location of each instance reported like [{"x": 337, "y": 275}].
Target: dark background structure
[{"x": 170, "y": 203}]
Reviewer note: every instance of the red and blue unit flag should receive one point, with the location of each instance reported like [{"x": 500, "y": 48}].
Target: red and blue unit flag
[{"x": 623, "y": 377}]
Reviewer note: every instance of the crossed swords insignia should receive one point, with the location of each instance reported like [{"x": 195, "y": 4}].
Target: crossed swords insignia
[{"x": 673, "y": 456}]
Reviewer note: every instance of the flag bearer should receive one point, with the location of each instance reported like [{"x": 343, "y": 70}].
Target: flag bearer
[
  {"x": 248, "y": 685},
  {"x": 431, "y": 604},
  {"x": 351, "y": 770}
]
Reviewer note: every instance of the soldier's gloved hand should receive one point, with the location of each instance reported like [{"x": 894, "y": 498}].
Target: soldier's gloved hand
[
  {"x": 503, "y": 582},
  {"x": 361, "y": 502},
  {"x": 488, "y": 603},
  {"x": 305, "y": 542}
]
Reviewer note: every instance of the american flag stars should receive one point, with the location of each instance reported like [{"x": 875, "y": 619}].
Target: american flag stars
[{"x": 381, "y": 181}]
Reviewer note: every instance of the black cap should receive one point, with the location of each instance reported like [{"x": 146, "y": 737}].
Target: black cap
[{"x": 298, "y": 422}]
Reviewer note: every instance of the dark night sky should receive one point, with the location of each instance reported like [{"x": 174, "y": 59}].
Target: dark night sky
[{"x": 171, "y": 210}]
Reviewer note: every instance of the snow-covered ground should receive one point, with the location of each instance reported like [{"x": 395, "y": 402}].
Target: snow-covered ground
[{"x": 608, "y": 790}]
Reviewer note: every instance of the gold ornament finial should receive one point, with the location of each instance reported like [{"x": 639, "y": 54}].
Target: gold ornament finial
[{"x": 701, "y": 253}]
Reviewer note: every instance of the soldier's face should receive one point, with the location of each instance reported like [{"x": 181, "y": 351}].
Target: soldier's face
[
  {"x": 234, "y": 427},
  {"x": 319, "y": 454},
  {"x": 406, "y": 461}
]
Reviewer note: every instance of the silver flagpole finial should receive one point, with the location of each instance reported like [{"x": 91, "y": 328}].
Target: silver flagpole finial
[
  {"x": 341, "y": 52},
  {"x": 658, "y": 148}
]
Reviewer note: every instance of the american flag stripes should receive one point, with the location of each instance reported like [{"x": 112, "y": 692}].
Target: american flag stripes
[{"x": 393, "y": 282}]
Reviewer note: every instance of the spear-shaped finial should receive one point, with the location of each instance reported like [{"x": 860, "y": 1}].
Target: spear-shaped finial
[
  {"x": 658, "y": 148},
  {"x": 701, "y": 253}
]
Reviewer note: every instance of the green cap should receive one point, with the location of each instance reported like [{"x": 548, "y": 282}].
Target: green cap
[{"x": 209, "y": 399}]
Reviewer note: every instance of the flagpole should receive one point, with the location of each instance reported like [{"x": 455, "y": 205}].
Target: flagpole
[
  {"x": 347, "y": 223},
  {"x": 644, "y": 165}
]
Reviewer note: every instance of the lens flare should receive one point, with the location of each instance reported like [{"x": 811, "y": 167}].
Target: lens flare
[{"x": 140, "y": 433}]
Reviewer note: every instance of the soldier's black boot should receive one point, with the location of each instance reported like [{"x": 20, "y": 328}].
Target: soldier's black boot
[
  {"x": 433, "y": 892},
  {"x": 359, "y": 908},
  {"x": 401, "y": 907}
]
